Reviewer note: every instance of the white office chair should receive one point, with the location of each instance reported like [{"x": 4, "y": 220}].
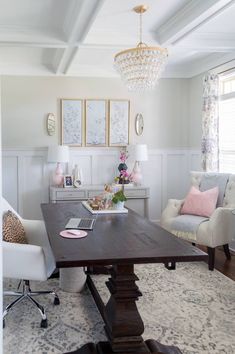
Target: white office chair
[
  {"x": 32, "y": 261},
  {"x": 219, "y": 230}
]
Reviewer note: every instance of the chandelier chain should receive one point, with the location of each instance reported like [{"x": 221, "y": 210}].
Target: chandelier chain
[{"x": 141, "y": 21}]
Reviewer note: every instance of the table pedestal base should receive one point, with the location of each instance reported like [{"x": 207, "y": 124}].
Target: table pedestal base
[
  {"x": 152, "y": 346},
  {"x": 123, "y": 324}
]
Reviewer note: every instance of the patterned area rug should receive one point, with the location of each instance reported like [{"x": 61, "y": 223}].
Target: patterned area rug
[{"x": 190, "y": 307}]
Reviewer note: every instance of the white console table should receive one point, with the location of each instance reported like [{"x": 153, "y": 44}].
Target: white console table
[{"x": 137, "y": 196}]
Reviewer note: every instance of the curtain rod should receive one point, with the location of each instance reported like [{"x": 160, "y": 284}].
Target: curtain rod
[{"x": 224, "y": 71}]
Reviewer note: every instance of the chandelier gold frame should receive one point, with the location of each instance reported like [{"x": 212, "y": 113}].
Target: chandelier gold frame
[{"x": 140, "y": 67}]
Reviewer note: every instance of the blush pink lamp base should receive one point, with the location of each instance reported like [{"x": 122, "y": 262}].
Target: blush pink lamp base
[
  {"x": 58, "y": 177},
  {"x": 136, "y": 175}
]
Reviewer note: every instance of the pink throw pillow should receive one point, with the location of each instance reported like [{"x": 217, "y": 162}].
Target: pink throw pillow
[{"x": 200, "y": 203}]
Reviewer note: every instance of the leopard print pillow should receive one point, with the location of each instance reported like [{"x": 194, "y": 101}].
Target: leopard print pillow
[{"x": 12, "y": 229}]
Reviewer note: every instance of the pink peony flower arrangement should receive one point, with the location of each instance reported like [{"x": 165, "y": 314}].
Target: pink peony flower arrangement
[
  {"x": 123, "y": 156},
  {"x": 123, "y": 178}
]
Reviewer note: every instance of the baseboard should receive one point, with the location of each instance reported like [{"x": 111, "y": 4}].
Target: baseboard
[{"x": 155, "y": 221}]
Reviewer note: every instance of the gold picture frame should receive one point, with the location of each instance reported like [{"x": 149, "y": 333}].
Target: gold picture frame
[
  {"x": 96, "y": 122},
  {"x": 72, "y": 121},
  {"x": 119, "y": 122}
]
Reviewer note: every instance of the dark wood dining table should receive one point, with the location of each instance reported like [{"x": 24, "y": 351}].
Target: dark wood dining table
[{"x": 120, "y": 240}]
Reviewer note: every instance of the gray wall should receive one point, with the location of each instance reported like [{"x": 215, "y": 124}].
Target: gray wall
[{"x": 27, "y": 100}]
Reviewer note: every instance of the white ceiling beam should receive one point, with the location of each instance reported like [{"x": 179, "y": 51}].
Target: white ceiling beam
[
  {"x": 66, "y": 60},
  {"x": 208, "y": 49},
  {"x": 212, "y": 62},
  {"x": 209, "y": 42},
  {"x": 32, "y": 44},
  {"x": 85, "y": 16},
  {"x": 193, "y": 15},
  {"x": 20, "y": 35},
  {"x": 208, "y": 63},
  {"x": 56, "y": 59},
  {"x": 212, "y": 42}
]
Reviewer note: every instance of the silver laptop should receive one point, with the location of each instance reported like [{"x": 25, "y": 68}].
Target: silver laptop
[{"x": 80, "y": 223}]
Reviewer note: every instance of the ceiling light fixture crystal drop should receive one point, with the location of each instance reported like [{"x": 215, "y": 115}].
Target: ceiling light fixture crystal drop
[{"x": 141, "y": 67}]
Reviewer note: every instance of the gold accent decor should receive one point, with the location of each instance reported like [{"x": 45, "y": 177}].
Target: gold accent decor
[
  {"x": 51, "y": 124},
  {"x": 141, "y": 67},
  {"x": 140, "y": 9},
  {"x": 139, "y": 124}
]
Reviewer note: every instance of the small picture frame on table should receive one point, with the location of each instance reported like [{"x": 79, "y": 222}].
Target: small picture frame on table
[{"x": 68, "y": 181}]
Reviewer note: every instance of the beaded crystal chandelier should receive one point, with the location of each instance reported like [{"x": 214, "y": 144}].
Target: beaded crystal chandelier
[{"x": 141, "y": 67}]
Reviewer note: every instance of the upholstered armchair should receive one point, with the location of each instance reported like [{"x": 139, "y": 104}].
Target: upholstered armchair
[
  {"x": 32, "y": 261},
  {"x": 218, "y": 230}
]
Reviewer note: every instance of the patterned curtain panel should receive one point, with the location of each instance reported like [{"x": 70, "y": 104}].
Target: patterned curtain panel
[{"x": 210, "y": 123}]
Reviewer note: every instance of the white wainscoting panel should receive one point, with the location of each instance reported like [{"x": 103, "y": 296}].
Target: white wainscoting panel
[
  {"x": 26, "y": 175},
  {"x": 177, "y": 175},
  {"x": 33, "y": 188},
  {"x": 84, "y": 162},
  {"x": 10, "y": 179},
  {"x": 104, "y": 168},
  {"x": 152, "y": 177},
  {"x": 195, "y": 162}
]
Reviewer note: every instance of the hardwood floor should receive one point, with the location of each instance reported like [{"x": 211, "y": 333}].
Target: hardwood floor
[{"x": 227, "y": 267}]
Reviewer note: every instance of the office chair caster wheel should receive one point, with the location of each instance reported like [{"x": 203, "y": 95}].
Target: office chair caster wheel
[
  {"x": 56, "y": 301},
  {"x": 44, "y": 323}
]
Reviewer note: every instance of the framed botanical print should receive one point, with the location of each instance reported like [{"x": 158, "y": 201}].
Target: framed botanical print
[
  {"x": 119, "y": 117},
  {"x": 96, "y": 123},
  {"x": 71, "y": 122}
]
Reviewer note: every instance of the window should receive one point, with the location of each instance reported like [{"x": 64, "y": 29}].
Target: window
[{"x": 227, "y": 123}]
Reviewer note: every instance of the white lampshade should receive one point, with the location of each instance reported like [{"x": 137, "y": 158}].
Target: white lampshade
[
  {"x": 58, "y": 153},
  {"x": 139, "y": 152}
]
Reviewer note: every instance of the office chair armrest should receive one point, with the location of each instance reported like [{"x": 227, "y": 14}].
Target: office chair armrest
[
  {"x": 23, "y": 261},
  {"x": 222, "y": 226},
  {"x": 35, "y": 231},
  {"x": 170, "y": 212}
]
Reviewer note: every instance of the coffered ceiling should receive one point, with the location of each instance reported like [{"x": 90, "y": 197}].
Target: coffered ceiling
[{"x": 81, "y": 37}]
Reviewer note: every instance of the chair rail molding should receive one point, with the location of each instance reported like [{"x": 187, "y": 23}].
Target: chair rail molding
[{"x": 26, "y": 174}]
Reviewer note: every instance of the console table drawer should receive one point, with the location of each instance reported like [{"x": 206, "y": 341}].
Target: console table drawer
[
  {"x": 94, "y": 193},
  {"x": 137, "y": 193},
  {"x": 66, "y": 194}
]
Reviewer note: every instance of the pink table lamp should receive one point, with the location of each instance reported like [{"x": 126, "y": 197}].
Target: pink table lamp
[
  {"x": 138, "y": 153},
  {"x": 58, "y": 154}
]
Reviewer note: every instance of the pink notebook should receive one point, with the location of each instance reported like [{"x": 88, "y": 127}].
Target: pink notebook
[{"x": 73, "y": 233}]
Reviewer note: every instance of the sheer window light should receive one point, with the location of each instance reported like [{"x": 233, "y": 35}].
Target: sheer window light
[{"x": 227, "y": 124}]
